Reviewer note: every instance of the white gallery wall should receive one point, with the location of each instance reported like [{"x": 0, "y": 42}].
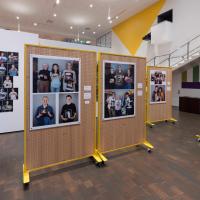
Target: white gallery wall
[{"x": 15, "y": 41}]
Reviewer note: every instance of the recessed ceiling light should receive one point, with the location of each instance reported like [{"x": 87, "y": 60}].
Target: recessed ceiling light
[
  {"x": 54, "y": 15},
  {"x": 17, "y": 17},
  {"x": 83, "y": 32},
  {"x": 117, "y": 17},
  {"x": 110, "y": 21},
  {"x": 35, "y": 24},
  {"x": 71, "y": 27},
  {"x": 99, "y": 25},
  {"x": 88, "y": 42},
  {"x": 57, "y": 2},
  {"x": 109, "y": 18},
  {"x": 91, "y": 5},
  {"x": 94, "y": 32}
]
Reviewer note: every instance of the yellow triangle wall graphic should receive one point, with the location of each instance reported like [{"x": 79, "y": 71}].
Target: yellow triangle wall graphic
[{"x": 131, "y": 31}]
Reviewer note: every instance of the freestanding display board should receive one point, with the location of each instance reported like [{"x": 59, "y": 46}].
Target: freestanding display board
[
  {"x": 121, "y": 110},
  {"x": 60, "y": 102},
  {"x": 159, "y": 92}
]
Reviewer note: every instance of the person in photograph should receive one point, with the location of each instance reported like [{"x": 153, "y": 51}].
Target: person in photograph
[
  {"x": 129, "y": 79},
  {"x": 3, "y": 94},
  {"x": 68, "y": 112},
  {"x": 111, "y": 105},
  {"x": 13, "y": 94},
  {"x": 119, "y": 78},
  {"x": 118, "y": 106},
  {"x": 2, "y": 70},
  {"x": 7, "y": 107},
  {"x": 12, "y": 58},
  {"x": 44, "y": 115},
  {"x": 161, "y": 94},
  {"x": 7, "y": 83},
  {"x": 110, "y": 79},
  {"x": 155, "y": 96},
  {"x": 3, "y": 58},
  {"x": 55, "y": 78},
  {"x": 128, "y": 104},
  {"x": 44, "y": 79},
  {"x": 13, "y": 71},
  {"x": 69, "y": 78}
]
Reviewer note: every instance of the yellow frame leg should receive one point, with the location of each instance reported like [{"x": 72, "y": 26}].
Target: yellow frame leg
[
  {"x": 26, "y": 176},
  {"x": 149, "y": 146},
  {"x": 150, "y": 124},
  {"x": 99, "y": 157},
  {"x": 173, "y": 120}
]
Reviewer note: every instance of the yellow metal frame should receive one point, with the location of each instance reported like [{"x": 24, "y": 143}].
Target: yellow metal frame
[
  {"x": 148, "y": 122},
  {"x": 99, "y": 158},
  {"x": 144, "y": 143}
]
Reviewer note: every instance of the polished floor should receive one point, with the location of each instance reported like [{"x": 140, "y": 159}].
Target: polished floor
[{"x": 171, "y": 172}]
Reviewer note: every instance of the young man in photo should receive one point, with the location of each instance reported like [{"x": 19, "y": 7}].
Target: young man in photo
[
  {"x": 44, "y": 114},
  {"x": 7, "y": 107},
  {"x": 110, "y": 79},
  {"x": 7, "y": 83},
  {"x": 12, "y": 58},
  {"x": 3, "y": 58},
  {"x": 2, "y": 70},
  {"x": 13, "y": 71},
  {"x": 128, "y": 103},
  {"x": 44, "y": 79},
  {"x": 3, "y": 94},
  {"x": 69, "y": 78},
  {"x": 68, "y": 112},
  {"x": 119, "y": 78},
  {"x": 118, "y": 106},
  {"x": 155, "y": 96},
  {"x": 13, "y": 95},
  {"x": 111, "y": 105}
]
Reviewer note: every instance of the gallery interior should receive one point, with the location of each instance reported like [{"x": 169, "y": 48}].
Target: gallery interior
[{"x": 99, "y": 100}]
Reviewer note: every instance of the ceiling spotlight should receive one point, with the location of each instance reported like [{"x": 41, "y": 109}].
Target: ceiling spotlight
[
  {"x": 88, "y": 42},
  {"x": 91, "y": 5},
  {"x": 94, "y": 32},
  {"x": 54, "y": 15},
  {"x": 109, "y": 18},
  {"x": 71, "y": 27},
  {"x": 17, "y": 17},
  {"x": 117, "y": 17},
  {"x": 83, "y": 32},
  {"x": 110, "y": 21},
  {"x": 57, "y": 2},
  {"x": 35, "y": 24},
  {"x": 99, "y": 25}
]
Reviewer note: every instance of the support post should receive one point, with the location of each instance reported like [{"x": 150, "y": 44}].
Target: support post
[{"x": 26, "y": 176}]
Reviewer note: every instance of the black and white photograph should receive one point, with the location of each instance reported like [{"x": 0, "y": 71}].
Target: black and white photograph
[
  {"x": 44, "y": 110},
  {"x": 157, "y": 86},
  {"x": 57, "y": 78},
  {"x": 7, "y": 106},
  {"x": 68, "y": 108},
  {"x": 119, "y": 89},
  {"x": 13, "y": 94}
]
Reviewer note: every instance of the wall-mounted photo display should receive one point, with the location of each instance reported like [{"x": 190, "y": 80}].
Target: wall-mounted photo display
[
  {"x": 55, "y": 91},
  {"x": 157, "y": 86},
  {"x": 8, "y": 70},
  {"x": 119, "y": 95}
]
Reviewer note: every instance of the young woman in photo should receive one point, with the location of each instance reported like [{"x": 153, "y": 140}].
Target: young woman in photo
[
  {"x": 55, "y": 78},
  {"x": 3, "y": 58},
  {"x": 118, "y": 106},
  {"x": 7, "y": 83},
  {"x": 13, "y": 71},
  {"x": 111, "y": 105},
  {"x": 44, "y": 79},
  {"x": 69, "y": 78},
  {"x": 161, "y": 94},
  {"x": 110, "y": 79},
  {"x": 129, "y": 79},
  {"x": 155, "y": 94},
  {"x": 13, "y": 95},
  {"x": 2, "y": 70},
  {"x": 12, "y": 58},
  {"x": 119, "y": 78}
]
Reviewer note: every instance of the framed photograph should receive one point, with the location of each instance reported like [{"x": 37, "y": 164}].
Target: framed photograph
[
  {"x": 157, "y": 86},
  {"x": 119, "y": 97},
  {"x": 54, "y": 83}
]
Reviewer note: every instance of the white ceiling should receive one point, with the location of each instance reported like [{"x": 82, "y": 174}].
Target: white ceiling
[{"x": 76, "y": 13}]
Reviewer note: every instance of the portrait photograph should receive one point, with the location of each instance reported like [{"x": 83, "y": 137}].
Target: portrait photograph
[
  {"x": 7, "y": 106},
  {"x": 52, "y": 75},
  {"x": 158, "y": 93},
  {"x": 13, "y": 94},
  {"x": 158, "y": 77},
  {"x": 43, "y": 110},
  {"x": 119, "y": 75},
  {"x": 119, "y": 104},
  {"x": 3, "y": 94},
  {"x": 68, "y": 108}
]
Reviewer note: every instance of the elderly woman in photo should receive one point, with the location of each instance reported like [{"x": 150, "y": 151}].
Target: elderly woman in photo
[
  {"x": 55, "y": 78},
  {"x": 44, "y": 79},
  {"x": 69, "y": 78},
  {"x": 7, "y": 83},
  {"x": 13, "y": 71}
]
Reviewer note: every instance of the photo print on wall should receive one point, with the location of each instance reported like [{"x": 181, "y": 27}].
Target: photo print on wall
[
  {"x": 119, "y": 98},
  {"x": 157, "y": 86},
  {"x": 9, "y": 62},
  {"x": 55, "y": 93}
]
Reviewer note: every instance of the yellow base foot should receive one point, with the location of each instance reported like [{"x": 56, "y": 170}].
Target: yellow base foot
[
  {"x": 172, "y": 120},
  {"x": 26, "y": 177},
  {"x": 150, "y": 124},
  {"x": 99, "y": 157},
  {"x": 148, "y": 145},
  {"x": 103, "y": 158}
]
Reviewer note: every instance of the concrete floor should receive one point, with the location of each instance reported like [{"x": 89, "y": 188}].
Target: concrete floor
[{"x": 171, "y": 172}]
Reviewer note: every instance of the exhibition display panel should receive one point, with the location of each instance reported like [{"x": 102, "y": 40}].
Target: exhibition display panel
[
  {"x": 121, "y": 105},
  {"x": 60, "y": 102},
  {"x": 159, "y": 95}
]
